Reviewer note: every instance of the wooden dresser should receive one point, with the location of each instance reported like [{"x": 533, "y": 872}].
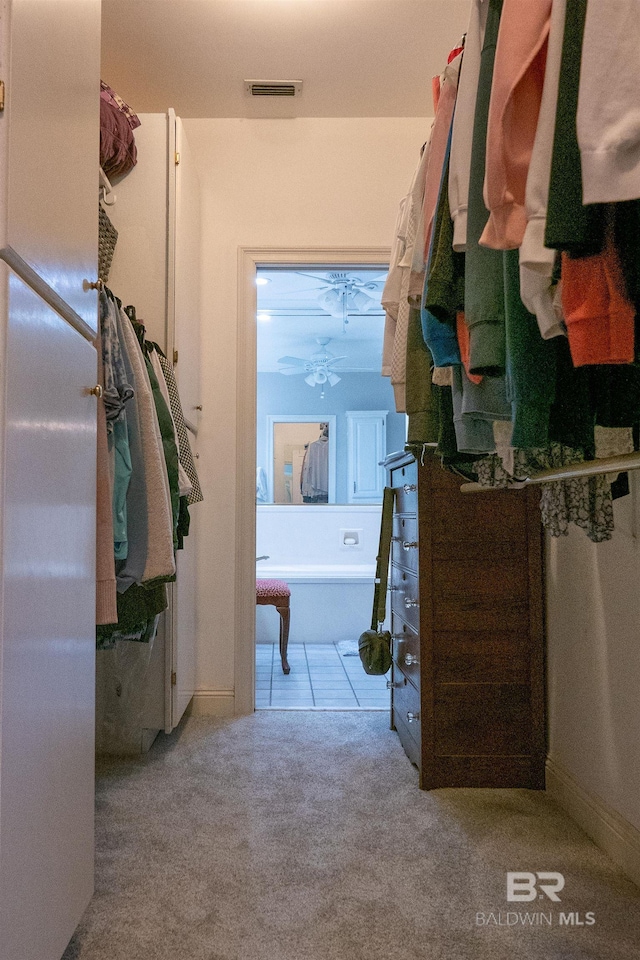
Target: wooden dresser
[{"x": 466, "y": 582}]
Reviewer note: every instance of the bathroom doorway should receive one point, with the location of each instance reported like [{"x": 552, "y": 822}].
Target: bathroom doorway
[{"x": 324, "y": 420}]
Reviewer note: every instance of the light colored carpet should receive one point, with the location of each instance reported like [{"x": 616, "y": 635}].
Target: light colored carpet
[{"x": 304, "y": 836}]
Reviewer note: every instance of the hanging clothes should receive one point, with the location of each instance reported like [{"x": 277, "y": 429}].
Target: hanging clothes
[
  {"x": 106, "y": 594},
  {"x": 518, "y": 78},
  {"x": 537, "y": 262},
  {"x": 186, "y": 455},
  {"x": 527, "y": 348},
  {"x": 607, "y": 112},
  {"x": 570, "y": 225},
  {"x": 461, "y": 140},
  {"x": 314, "y": 483},
  {"x": 160, "y": 563},
  {"x": 184, "y": 484},
  {"x": 484, "y": 283}
]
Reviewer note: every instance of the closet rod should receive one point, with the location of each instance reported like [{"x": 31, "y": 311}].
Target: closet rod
[{"x": 587, "y": 468}]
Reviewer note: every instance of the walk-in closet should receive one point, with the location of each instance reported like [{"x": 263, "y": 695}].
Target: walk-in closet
[{"x": 457, "y": 182}]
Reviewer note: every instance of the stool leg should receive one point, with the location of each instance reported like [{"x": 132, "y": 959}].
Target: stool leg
[{"x": 284, "y": 636}]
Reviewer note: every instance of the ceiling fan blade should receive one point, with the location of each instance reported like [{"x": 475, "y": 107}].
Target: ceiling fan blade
[
  {"x": 323, "y": 280},
  {"x": 288, "y": 371},
  {"x": 295, "y": 294},
  {"x": 293, "y": 361},
  {"x": 335, "y": 359}
]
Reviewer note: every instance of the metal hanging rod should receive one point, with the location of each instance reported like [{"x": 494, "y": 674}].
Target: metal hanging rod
[{"x": 587, "y": 468}]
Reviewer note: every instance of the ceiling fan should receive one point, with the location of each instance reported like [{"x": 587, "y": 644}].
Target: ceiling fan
[
  {"x": 342, "y": 293},
  {"x": 318, "y": 368}
]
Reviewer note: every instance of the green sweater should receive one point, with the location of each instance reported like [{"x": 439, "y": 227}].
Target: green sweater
[
  {"x": 484, "y": 290},
  {"x": 570, "y": 225}
]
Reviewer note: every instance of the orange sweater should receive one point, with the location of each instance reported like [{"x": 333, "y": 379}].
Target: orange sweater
[{"x": 599, "y": 316}]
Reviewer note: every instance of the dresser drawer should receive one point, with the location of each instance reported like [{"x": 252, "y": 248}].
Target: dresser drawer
[
  {"x": 406, "y": 709},
  {"x": 406, "y": 650},
  {"x": 404, "y": 546},
  {"x": 405, "y": 596},
  {"x": 405, "y": 483}
]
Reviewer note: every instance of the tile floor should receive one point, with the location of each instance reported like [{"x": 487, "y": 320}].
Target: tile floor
[{"x": 321, "y": 678}]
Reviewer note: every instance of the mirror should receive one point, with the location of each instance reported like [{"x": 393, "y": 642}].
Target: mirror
[{"x": 301, "y": 460}]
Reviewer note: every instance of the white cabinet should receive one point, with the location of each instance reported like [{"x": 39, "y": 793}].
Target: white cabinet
[
  {"x": 366, "y": 448},
  {"x": 47, "y": 632},
  {"x": 156, "y": 267},
  {"x": 51, "y": 68}
]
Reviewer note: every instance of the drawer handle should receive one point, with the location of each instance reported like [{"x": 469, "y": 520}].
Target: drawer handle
[
  {"x": 410, "y": 659},
  {"x": 394, "y": 684},
  {"x": 409, "y": 544},
  {"x": 409, "y": 487},
  {"x": 412, "y": 717},
  {"x": 410, "y": 603}
]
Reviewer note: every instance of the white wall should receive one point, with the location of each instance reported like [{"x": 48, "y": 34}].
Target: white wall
[
  {"x": 593, "y": 598},
  {"x": 278, "y": 183}
]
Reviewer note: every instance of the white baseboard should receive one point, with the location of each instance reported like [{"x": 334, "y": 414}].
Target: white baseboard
[
  {"x": 212, "y": 703},
  {"x": 615, "y": 835}
]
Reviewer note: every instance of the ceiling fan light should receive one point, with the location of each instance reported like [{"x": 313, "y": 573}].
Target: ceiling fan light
[
  {"x": 333, "y": 379},
  {"x": 320, "y": 376},
  {"x": 361, "y": 301},
  {"x": 311, "y": 380}
]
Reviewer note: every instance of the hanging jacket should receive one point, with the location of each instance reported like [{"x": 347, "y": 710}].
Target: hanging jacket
[
  {"x": 570, "y": 225},
  {"x": 106, "y": 603},
  {"x": 484, "y": 282},
  {"x": 537, "y": 261},
  {"x": 461, "y": 141},
  {"x": 608, "y": 114},
  {"x": 516, "y": 92},
  {"x": 130, "y": 570},
  {"x": 438, "y": 148},
  {"x": 160, "y": 562}
]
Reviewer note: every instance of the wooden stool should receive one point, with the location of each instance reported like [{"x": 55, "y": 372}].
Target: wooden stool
[{"x": 277, "y": 593}]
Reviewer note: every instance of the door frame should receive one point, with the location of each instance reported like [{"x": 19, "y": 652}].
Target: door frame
[{"x": 249, "y": 260}]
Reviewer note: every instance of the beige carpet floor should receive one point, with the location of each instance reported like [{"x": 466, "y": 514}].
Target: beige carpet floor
[{"x": 304, "y": 836}]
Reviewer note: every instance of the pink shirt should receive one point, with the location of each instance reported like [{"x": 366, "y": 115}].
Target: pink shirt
[{"x": 516, "y": 93}]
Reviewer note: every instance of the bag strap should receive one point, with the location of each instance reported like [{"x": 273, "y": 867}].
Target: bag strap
[{"x": 382, "y": 560}]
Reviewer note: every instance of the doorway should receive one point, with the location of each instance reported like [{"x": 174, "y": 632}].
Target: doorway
[{"x": 318, "y": 265}]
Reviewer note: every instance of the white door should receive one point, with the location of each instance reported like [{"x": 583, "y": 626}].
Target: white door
[
  {"x": 47, "y": 624},
  {"x": 366, "y": 447},
  {"x": 187, "y": 278},
  {"x": 52, "y": 151},
  {"x": 186, "y": 344}
]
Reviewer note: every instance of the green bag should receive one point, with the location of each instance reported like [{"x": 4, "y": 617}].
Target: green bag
[{"x": 374, "y": 645}]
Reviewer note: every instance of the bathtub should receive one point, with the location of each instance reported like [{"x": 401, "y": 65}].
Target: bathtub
[{"x": 331, "y": 581}]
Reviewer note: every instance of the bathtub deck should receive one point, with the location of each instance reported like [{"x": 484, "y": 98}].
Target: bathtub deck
[{"x": 320, "y": 678}]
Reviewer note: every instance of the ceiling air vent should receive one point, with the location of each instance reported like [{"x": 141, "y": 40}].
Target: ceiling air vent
[{"x": 273, "y": 88}]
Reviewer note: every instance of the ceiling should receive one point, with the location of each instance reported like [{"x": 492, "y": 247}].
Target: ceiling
[
  {"x": 356, "y": 58},
  {"x": 296, "y": 318}
]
